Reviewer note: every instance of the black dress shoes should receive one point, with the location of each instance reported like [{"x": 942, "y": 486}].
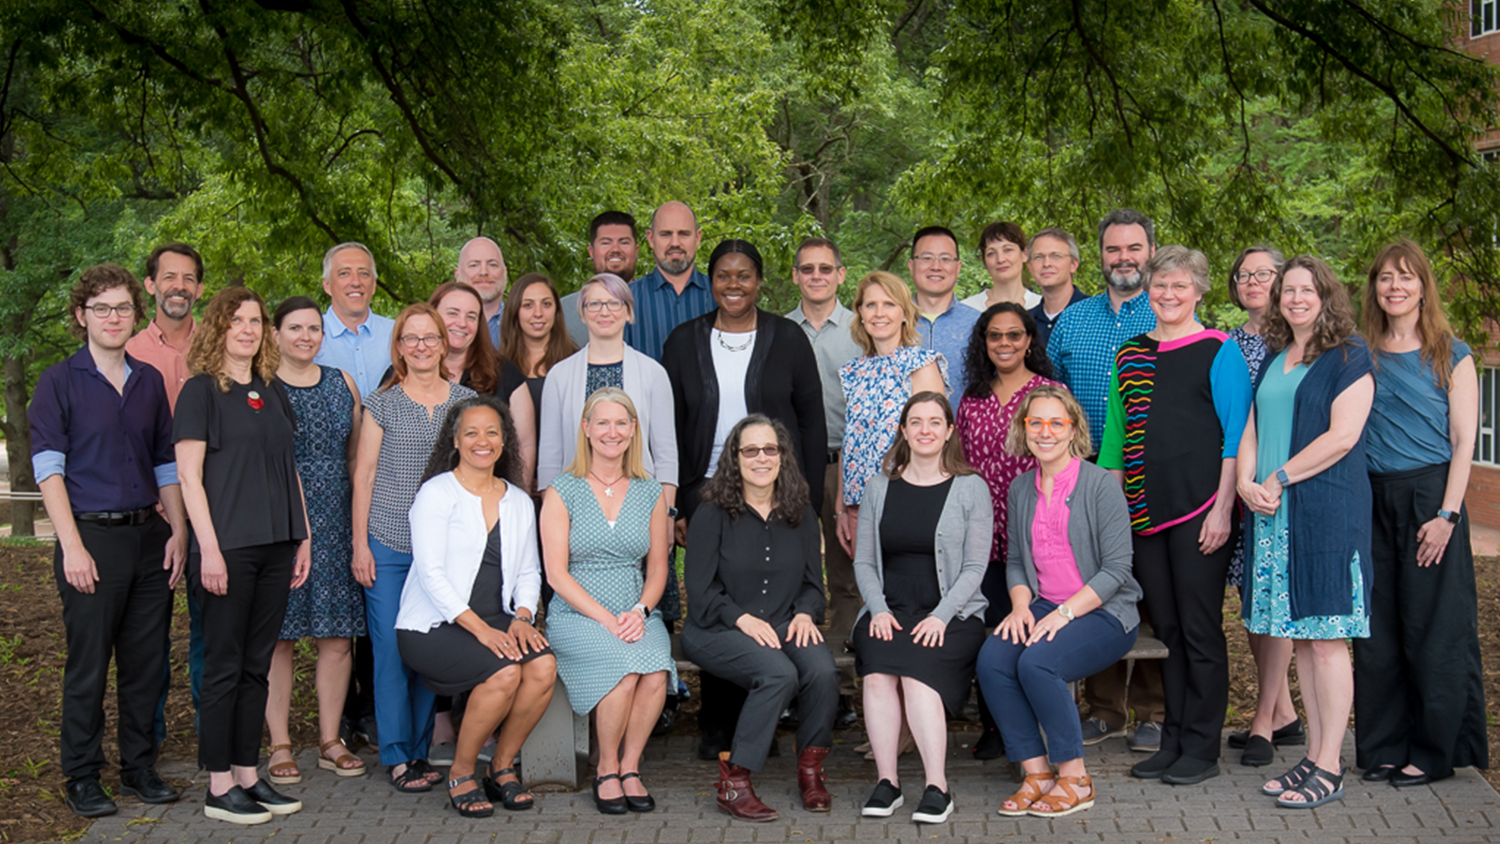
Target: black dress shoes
[
  {"x": 1380, "y": 774},
  {"x": 1189, "y": 771},
  {"x": 275, "y": 802},
  {"x": 1404, "y": 780},
  {"x": 87, "y": 799},
  {"x": 147, "y": 785}
]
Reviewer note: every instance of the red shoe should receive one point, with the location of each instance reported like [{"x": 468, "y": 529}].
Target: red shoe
[
  {"x": 811, "y": 779},
  {"x": 737, "y": 797}
]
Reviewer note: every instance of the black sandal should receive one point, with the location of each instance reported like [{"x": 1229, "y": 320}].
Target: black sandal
[
  {"x": 410, "y": 781},
  {"x": 423, "y": 767},
  {"x": 1290, "y": 780},
  {"x": 464, "y": 803},
  {"x": 645, "y": 803},
  {"x": 507, "y": 792},
  {"x": 1319, "y": 788}
]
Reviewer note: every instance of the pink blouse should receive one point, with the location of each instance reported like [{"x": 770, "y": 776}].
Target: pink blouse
[
  {"x": 1057, "y": 576},
  {"x": 982, "y": 426}
]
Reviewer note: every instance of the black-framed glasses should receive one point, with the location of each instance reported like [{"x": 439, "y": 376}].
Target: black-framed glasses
[
  {"x": 611, "y": 305},
  {"x": 1261, "y": 277},
  {"x": 751, "y": 452},
  {"x": 102, "y": 311}
]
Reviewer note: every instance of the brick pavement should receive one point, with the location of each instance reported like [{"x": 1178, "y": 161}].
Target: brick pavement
[{"x": 1226, "y": 809}]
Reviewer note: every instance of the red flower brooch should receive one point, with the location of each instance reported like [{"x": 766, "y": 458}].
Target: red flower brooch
[{"x": 255, "y": 401}]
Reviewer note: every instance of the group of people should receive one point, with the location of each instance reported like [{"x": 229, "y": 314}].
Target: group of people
[{"x": 484, "y": 496}]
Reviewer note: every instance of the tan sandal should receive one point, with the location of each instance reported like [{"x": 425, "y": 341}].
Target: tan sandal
[
  {"x": 286, "y": 773},
  {"x": 1052, "y": 806},
  {"x": 345, "y": 764},
  {"x": 1031, "y": 791}
]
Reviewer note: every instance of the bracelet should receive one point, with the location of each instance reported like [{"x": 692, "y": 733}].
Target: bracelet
[{"x": 528, "y": 619}]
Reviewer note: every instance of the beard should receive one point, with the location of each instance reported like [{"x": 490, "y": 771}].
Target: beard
[
  {"x": 1125, "y": 283},
  {"x": 675, "y": 266},
  {"x": 174, "y": 310}
]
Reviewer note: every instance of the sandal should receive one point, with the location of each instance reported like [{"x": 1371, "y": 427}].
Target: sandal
[
  {"x": 1289, "y": 780},
  {"x": 410, "y": 781},
  {"x": 466, "y": 803},
  {"x": 285, "y": 773},
  {"x": 1052, "y": 806},
  {"x": 508, "y": 792},
  {"x": 431, "y": 774},
  {"x": 1031, "y": 791},
  {"x": 1319, "y": 788},
  {"x": 345, "y": 764}
]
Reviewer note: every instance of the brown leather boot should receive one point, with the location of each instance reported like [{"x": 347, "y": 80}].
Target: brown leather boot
[
  {"x": 737, "y": 797},
  {"x": 811, "y": 779}
]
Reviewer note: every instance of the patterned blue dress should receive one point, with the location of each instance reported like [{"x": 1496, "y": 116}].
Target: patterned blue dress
[
  {"x": 1253, "y": 347},
  {"x": 606, "y": 562},
  {"x": 1269, "y": 591},
  {"x": 331, "y": 604}
]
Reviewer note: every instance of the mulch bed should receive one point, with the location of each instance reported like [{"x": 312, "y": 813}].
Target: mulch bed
[{"x": 32, "y": 656}]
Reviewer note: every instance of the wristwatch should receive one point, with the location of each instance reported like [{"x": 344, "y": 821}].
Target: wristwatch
[
  {"x": 1065, "y": 611},
  {"x": 1451, "y": 515},
  {"x": 1282, "y": 479},
  {"x": 644, "y": 610},
  {"x": 672, "y": 513}
]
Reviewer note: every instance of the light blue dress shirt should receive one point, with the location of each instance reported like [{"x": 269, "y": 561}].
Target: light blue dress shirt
[
  {"x": 948, "y": 335},
  {"x": 364, "y": 352}
]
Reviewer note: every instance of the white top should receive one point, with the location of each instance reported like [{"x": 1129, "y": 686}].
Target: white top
[
  {"x": 980, "y": 301},
  {"x": 448, "y": 537},
  {"x": 732, "y": 368}
]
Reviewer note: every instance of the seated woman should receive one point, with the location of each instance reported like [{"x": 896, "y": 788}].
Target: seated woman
[
  {"x": 1068, "y": 555},
  {"x": 469, "y": 602},
  {"x": 600, "y": 518},
  {"x": 753, "y": 614},
  {"x": 925, "y": 528}
]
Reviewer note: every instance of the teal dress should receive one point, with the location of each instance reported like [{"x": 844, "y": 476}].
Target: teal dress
[
  {"x": 606, "y": 562},
  {"x": 1268, "y": 591}
]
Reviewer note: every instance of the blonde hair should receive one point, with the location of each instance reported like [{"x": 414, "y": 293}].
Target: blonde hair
[
  {"x": 895, "y": 288},
  {"x": 1015, "y": 439},
  {"x": 206, "y": 354},
  {"x": 631, "y": 461}
]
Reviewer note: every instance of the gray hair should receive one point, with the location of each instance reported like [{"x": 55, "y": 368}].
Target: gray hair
[
  {"x": 1175, "y": 257},
  {"x": 348, "y": 244},
  {"x": 1055, "y": 234},
  {"x": 1127, "y": 217},
  {"x": 617, "y": 287}
]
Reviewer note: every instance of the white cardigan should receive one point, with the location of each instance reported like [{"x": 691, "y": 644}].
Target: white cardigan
[
  {"x": 562, "y": 409},
  {"x": 448, "y": 537}
]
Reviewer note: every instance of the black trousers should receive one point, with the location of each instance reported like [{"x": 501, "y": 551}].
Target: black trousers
[
  {"x": 771, "y": 677},
  {"x": 126, "y": 618},
  {"x": 1418, "y": 680},
  {"x": 1185, "y": 589},
  {"x": 240, "y": 629}
]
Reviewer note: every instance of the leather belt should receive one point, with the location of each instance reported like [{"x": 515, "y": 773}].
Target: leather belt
[{"x": 117, "y": 518}]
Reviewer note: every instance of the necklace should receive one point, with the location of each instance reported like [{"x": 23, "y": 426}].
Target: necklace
[
  {"x": 463, "y": 484},
  {"x": 741, "y": 347},
  {"x": 609, "y": 488}
]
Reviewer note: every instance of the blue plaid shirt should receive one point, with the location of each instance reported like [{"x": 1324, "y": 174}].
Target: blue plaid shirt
[
  {"x": 659, "y": 309},
  {"x": 948, "y": 335},
  {"x": 1083, "y": 346}
]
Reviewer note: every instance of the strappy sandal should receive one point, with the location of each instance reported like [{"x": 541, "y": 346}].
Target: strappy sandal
[
  {"x": 1289, "y": 780},
  {"x": 423, "y": 767},
  {"x": 1052, "y": 806},
  {"x": 345, "y": 764},
  {"x": 1031, "y": 791},
  {"x": 507, "y": 792},
  {"x": 465, "y": 803},
  {"x": 411, "y": 781},
  {"x": 286, "y": 773},
  {"x": 1319, "y": 788}
]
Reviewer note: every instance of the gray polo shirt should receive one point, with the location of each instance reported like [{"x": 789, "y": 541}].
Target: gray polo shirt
[{"x": 834, "y": 347}]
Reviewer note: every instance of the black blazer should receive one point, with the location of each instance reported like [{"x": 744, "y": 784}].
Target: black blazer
[{"x": 782, "y": 383}]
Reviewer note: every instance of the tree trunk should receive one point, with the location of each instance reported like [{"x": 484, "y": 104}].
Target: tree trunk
[{"x": 18, "y": 443}]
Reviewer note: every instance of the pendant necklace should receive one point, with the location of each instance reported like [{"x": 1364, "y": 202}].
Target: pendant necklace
[{"x": 609, "y": 488}]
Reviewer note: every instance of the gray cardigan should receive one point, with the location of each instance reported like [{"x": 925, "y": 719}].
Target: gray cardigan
[
  {"x": 562, "y": 409},
  {"x": 1099, "y": 531},
  {"x": 962, "y": 545}
]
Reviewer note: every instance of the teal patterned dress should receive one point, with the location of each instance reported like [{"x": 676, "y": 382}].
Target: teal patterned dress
[
  {"x": 606, "y": 562},
  {"x": 1268, "y": 589}
]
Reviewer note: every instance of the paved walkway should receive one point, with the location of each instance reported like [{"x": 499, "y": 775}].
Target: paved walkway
[{"x": 1228, "y": 808}]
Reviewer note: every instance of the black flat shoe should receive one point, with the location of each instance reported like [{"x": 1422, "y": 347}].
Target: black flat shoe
[
  {"x": 1289, "y": 734},
  {"x": 87, "y": 799},
  {"x": 612, "y": 806},
  {"x": 1153, "y": 766},
  {"x": 235, "y": 806},
  {"x": 275, "y": 802},
  {"x": 147, "y": 785},
  {"x": 1259, "y": 752},
  {"x": 1401, "y": 780},
  {"x": 644, "y": 803},
  {"x": 1380, "y": 774},
  {"x": 1189, "y": 771},
  {"x": 989, "y": 746}
]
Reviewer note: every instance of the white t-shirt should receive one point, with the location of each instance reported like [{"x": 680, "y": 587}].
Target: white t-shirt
[
  {"x": 980, "y": 301},
  {"x": 732, "y": 365}
]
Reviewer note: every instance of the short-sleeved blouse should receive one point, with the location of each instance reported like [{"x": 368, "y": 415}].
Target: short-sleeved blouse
[
  {"x": 1408, "y": 426},
  {"x": 983, "y": 423},
  {"x": 1253, "y": 347},
  {"x": 405, "y": 447},
  {"x": 876, "y": 387},
  {"x": 250, "y": 466}
]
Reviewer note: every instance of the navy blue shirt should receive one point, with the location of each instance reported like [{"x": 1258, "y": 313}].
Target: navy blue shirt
[
  {"x": 113, "y": 450},
  {"x": 1044, "y": 323}
]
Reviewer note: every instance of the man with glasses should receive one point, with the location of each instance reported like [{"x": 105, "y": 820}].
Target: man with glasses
[
  {"x": 1082, "y": 347},
  {"x": 1002, "y": 248},
  {"x": 101, "y": 447},
  {"x": 675, "y": 291},
  {"x": 1053, "y": 259},
  {"x": 612, "y": 249},
  {"x": 943, "y": 322}
]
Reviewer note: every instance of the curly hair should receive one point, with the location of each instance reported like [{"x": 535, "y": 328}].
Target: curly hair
[
  {"x": 398, "y": 363},
  {"x": 726, "y": 489},
  {"x": 480, "y": 359},
  {"x": 980, "y": 370},
  {"x": 1015, "y": 439},
  {"x": 1335, "y": 321},
  {"x": 513, "y": 341},
  {"x": 895, "y": 288},
  {"x": 1436, "y": 331},
  {"x": 96, "y": 280},
  {"x": 445, "y": 454},
  {"x": 952, "y": 460},
  {"x": 206, "y": 356}
]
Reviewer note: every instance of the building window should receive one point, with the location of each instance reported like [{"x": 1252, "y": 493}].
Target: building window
[
  {"x": 1482, "y": 18},
  {"x": 1487, "y": 445}
]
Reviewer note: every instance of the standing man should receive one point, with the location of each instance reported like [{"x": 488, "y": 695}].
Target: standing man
[
  {"x": 1082, "y": 347},
  {"x": 675, "y": 291},
  {"x": 1002, "y": 248},
  {"x": 101, "y": 447},
  {"x": 612, "y": 249},
  {"x": 943, "y": 322},
  {"x": 818, "y": 271},
  {"x": 481, "y": 266},
  {"x": 355, "y": 339},
  {"x": 1053, "y": 259}
]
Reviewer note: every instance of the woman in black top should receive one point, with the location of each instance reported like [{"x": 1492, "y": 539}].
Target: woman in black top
[
  {"x": 236, "y": 459},
  {"x": 533, "y": 334},
  {"x": 755, "y": 597}
]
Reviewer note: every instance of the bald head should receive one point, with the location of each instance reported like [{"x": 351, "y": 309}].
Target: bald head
[
  {"x": 481, "y": 265},
  {"x": 674, "y": 237}
]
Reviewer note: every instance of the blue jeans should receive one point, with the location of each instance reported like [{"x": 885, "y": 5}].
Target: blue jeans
[
  {"x": 195, "y": 666},
  {"x": 1025, "y": 686},
  {"x": 403, "y": 705}
]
